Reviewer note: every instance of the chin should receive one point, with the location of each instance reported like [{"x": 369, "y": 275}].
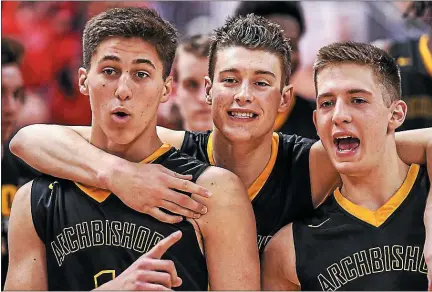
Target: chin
[{"x": 350, "y": 168}]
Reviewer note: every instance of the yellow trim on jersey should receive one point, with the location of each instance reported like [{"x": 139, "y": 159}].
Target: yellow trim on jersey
[
  {"x": 283, "y": 116},
  {"x": 100, "y": 195},
  {"x": 378, "y": 217},
  {"x": 425, "y": 53},
  {"x": 210, "y": 149},
  {"x": 262, "y": 178}
]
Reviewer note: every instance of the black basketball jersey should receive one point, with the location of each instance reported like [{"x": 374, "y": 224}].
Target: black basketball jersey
[
  {"x": 298, "y": 119},
  {"x": 348, "y": 247},
  {"x": 91, "y": 237},
  {"x": 415, "y": 62},
  {"x": 282, "y": 192}
]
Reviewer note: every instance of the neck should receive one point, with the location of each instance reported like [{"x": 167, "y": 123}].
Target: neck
[
  {"x": 245, "y": 159},
  {"x": 373, "y": 188},
  {"x": 137, "y": 150}
]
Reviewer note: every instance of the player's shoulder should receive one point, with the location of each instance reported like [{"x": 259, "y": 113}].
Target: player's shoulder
[{"x": 293, "y": 140}]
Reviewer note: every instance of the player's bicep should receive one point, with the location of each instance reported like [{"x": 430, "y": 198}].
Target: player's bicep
[
  {"x": 323, "y": 176},
  {"x": 278, "y": 268},
  {"x": 27, "y": 264},
  {"x": 229, "y": 233}
]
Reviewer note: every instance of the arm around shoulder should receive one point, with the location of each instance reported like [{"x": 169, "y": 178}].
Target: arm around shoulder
[
  {"x": 278, "y": 269},
  {"x": 27, "y": 262},
  {"x": 229, "y": 232}
]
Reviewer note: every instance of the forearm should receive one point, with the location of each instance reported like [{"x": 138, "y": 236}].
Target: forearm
[
  {"x": 411, "y": 145},
  {"x": 61, "y": 152}
]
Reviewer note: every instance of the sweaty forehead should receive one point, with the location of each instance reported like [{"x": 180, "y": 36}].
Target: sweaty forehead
[{"x": 344, "y": 77}]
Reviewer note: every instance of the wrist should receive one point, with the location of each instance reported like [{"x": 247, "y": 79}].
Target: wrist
[{"x": 111, "y": 169}]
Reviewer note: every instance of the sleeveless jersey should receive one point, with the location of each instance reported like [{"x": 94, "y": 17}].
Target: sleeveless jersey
[
  {"x": 91, "y": 237},
  {"x": 415, "y": 62},
  {"x": 347, "y": 247},
  {"x": 282, "y": 192}
]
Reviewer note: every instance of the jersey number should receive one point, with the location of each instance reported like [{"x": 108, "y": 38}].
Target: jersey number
[{"x": 103, "y": 277}]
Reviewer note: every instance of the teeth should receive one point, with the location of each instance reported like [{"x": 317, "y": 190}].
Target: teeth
[
  {"x": 343, "y": 137},
  {"x": 242, "y": 115}
]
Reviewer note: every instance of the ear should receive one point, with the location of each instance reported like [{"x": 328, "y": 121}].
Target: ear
[
  {"x": 286, "y": 98},
  {"x": 83, "y": 81},
  {"x": 208, "y": 86},
  {"x": 398, "y": 112},
  {"x": 167, "y": 90},
  {"x": 315, "y": 121}
]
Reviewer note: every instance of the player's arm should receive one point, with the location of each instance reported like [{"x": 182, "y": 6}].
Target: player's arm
[
  {"x": 66, "y": 152},
  {"x": 411, "y": 146},
  {"x": 27, "y": 263},
  {"x": 229, "y": 233},
  {"x": 278, "y": 269}
]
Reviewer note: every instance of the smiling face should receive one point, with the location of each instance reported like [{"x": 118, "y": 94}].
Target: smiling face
[
  {"x": 352, "y": 118},
  {"x": 246, "y": 92},
  {"x": 125, "y": 86},
  {"x": 190, "y": 98}
]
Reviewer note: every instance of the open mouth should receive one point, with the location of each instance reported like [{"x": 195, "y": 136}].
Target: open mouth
[
  {"x": 346, "y": 144},
  {"x": 121, "y": 114},
  {"x": 242, "y": 115}
]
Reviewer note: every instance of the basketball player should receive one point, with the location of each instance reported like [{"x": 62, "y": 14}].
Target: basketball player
[
  {"x": 68, "y": 236},
  {"x": 248, "y": 85},
  {"x": 190, "y": 68},
  {"x": 369, "y": 235},
  {"x": 414, "y": 58},
  {"x": 289, "y": 15}
]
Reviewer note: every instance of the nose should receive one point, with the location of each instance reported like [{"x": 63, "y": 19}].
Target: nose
[
  {"x": 244, "y": 96},
  {"x": 123, "y": 91},
  {"x": 341, "y": 113}
]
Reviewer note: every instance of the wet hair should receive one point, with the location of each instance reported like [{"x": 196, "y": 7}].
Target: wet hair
[
  {"x": 131, "y": 22},
  {"x": 384, "y": 66},
  {"x": 255, "y": 33}
]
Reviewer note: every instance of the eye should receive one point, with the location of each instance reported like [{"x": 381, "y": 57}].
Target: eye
[
  {"x": 262, "y": 83},
  {"x": 191, "y": 85},
  {"x": 327, "y": 103},
  {"x": 358, "y": 100},
  {"x": 229, "y": 80},
  {"x": 141, "y": 74},
  {"x": 108, "y": 71}
]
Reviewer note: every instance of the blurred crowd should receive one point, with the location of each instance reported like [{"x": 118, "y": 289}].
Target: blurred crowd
[{"x": 46, "y": 40}]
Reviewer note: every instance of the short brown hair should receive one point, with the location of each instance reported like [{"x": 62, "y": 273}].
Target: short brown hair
[
  {"x": 252, "y": 32},
  {"x": 384, "y": 66},
  {"x": 131, "y": 22},
  {"x": 197, "y": 45},
  {"x": 11, "y": 51}
]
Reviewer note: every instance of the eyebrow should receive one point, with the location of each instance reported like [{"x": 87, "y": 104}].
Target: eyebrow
[
  {"x": 259, "y": 72},
  {"x": 351, "y": 91},
  {"x": 136, "y": 61}
]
